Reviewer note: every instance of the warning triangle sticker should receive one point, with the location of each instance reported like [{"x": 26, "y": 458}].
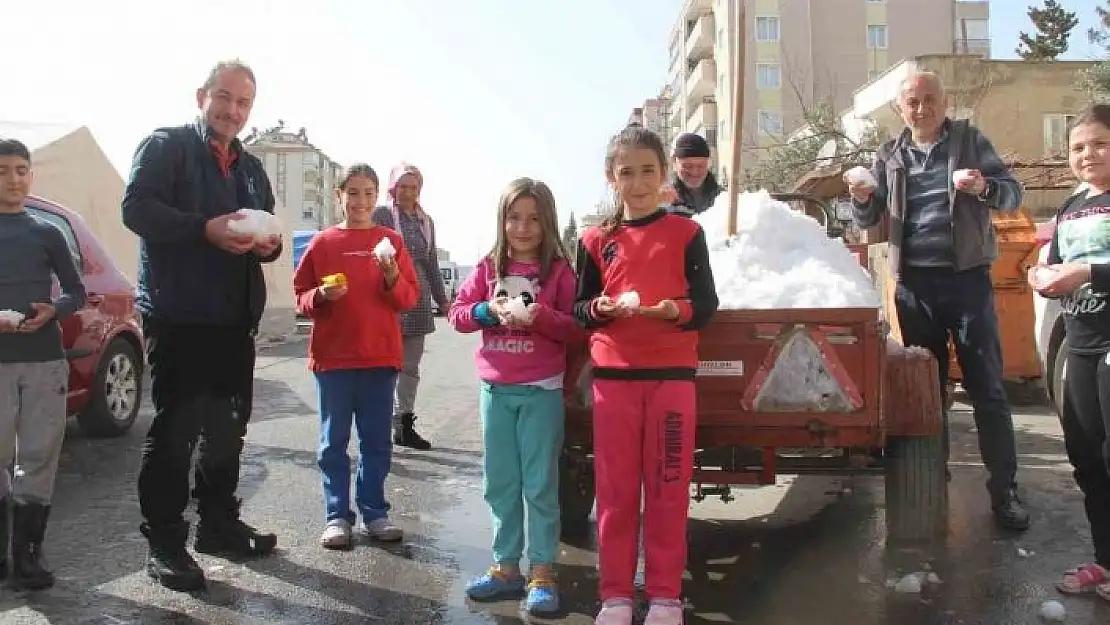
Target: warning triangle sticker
[{"x": 802, "y": 380}]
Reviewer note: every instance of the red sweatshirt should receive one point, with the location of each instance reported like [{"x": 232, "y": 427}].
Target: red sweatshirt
[
  {"x": 660, "y": 256},
  {"x": 361, "y": 329}
]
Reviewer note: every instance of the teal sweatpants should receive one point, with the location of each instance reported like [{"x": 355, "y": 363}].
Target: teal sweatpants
[{"x": 522, "y": 428}]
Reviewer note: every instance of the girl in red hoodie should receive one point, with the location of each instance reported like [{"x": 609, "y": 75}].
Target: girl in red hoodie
[{"x": 353, "y": 285}]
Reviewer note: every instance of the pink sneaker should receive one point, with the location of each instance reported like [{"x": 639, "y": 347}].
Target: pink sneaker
[
  {"x": 615, "y": 612},
  {"x": 664, "y": 613}
]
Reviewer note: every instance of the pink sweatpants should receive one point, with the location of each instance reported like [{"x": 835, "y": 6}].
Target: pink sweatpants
[{"x": 643, "y": 435}]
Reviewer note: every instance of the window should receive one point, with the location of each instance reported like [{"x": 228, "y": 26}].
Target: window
[
  {"x": 766, "y": 29},
  {"x": 63, "y": 226},
  {"x": 308, "y": 212},
  {"x": 872, "y": 74},
  {"x": 310, "y": 159},
  {"x": 1056, "y": 134},
  {"x": 768, "y": 76},
  {"x": 770, "y": 123},
  {"x": 720, "y": 36},
  {"x": 876, "y": 37}
]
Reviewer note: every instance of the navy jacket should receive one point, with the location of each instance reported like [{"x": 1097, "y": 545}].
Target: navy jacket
[{"x": 176, "y": 186}]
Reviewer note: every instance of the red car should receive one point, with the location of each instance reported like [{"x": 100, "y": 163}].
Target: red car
[{"x": 103, "y": 340}]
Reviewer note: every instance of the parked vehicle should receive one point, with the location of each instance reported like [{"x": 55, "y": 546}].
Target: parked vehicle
[
  {"x": 103, "y": 340},
  {"x": 754, "y": 420}
]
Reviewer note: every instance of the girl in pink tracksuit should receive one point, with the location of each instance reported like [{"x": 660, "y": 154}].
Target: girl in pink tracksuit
[
  {"x": 644, "y": 351},
  {"x": 521, "y": 364}
]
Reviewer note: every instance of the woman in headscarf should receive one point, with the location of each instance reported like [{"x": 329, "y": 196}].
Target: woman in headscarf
[{"x": 405, "y": 215}]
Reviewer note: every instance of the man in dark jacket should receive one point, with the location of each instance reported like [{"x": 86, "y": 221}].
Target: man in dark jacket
[
  {"x": 939, "y": 182},
  {"x": 693, "y": 187},
  {"x": 201, "y": 294}
]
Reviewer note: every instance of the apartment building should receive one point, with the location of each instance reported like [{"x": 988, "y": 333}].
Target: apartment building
[
  {"x": 304, "y": 179},
  {"x": 798, "y": 52},
  {"x": 654, "y": 115}
]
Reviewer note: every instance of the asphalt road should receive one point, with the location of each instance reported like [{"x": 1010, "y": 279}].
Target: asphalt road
[{"x": 808, "y": 551}]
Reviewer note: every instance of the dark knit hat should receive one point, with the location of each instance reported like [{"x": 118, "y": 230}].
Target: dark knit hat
[{"x": 690, "y": 144}]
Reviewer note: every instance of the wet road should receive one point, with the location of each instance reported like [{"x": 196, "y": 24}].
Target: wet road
[{"x": 808, "y": 551}]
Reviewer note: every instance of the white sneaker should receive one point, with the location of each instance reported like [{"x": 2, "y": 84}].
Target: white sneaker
[
  {"x": 337, "y": 535},
  {"x": 383, "y": 530},
  {"x": 664, "y": 613},
  {"x": 615, "y": 612}
]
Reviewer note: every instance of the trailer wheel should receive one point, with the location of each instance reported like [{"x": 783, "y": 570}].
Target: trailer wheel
[
  {"x": 576, "y": 489},
  {"x": 916, "y": 488}
]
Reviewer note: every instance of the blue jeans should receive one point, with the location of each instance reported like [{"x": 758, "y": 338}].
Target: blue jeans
[
  {"x": 365, "y": 397},
  {"x": 522, "y": 429},
  {"x": 935, "y": 304}
]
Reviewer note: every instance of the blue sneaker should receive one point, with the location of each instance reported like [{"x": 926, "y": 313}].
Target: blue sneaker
[
  {"x": 543, "y": 597},
  {"x": 494, "y": 585}
]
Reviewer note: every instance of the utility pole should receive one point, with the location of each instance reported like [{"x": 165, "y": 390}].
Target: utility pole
[{"x": 739, "y": 40}]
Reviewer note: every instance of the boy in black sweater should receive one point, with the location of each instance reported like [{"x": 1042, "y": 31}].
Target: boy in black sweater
[{"x": 33, "y": 369}]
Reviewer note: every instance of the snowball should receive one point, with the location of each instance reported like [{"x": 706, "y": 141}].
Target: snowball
[
  {"x": 910, "y": 584},
  {"x": 261, "y": 224},
  {"x": 12, "y": 317},
  {"x": 781, "y": 258},
  {"x": 519, "y": 309},
  {"x": 1053, "y": 611},
  {"x": 961, "y": 175},
  {"x": 1042, "y": 276},
  {"x": 631, "y": 299},
  {"x": 384, "y": 249},
  {"x": 857, "y": 175}
]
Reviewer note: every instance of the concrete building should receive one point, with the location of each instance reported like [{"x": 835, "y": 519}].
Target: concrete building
[
  {"x": 654, "y": 116},
  {"x": 303, "y": 177},
  {"x": 71, "y": 169},
  {"x": 799, "y": 52},
  {"x": 1023, "y": 107}
]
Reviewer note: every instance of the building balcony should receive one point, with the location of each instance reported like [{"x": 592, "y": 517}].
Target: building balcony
[
  {"x": 703, "y": 115},
  {"x": 980, "y": 47},
  {"x": 700, "y": 38},
  {"x": 701, "y": 82},
  {"x": 692, "y": 8}
]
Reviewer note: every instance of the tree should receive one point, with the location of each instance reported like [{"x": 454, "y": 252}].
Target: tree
[
  {"x": 1054, "y": 25},
  {"x": 782, "y": 164},
  {"x": 1096, "y": 80},
  {"x": 570, "y": 234}
]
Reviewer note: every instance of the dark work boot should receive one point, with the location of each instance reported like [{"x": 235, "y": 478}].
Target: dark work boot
[
  {"x": 28, "y": 531},
  {"x": 169, "y": 562},
  {"x": 224, "y": 533},
  {"x": 406, "y": 435},
  {"x": 1009, "y": 512}
]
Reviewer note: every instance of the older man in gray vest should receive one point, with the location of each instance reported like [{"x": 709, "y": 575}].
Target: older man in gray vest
[{"x": 938, "y": 182}]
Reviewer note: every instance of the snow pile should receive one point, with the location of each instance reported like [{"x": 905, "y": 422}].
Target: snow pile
[
  {"x": 261, "y": 224},
  {"x": 781, "y": 258}
]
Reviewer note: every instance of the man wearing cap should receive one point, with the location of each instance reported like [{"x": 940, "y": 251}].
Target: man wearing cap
[{"x": 693, "y": 188}]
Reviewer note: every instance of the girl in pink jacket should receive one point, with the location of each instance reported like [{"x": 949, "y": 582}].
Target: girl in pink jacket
[{"x": 521, "y": 297}]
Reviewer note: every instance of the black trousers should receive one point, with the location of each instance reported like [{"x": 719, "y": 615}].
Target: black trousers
[
  {"x": 1086, "y": 420},
  {"x": 935, "y": 304},
  {"x": 201, "y": 386}
]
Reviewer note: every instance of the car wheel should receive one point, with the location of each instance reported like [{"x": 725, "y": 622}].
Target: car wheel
[
  {"x": 115, "y": 394},
  {"x": 1059, "y": 377}
]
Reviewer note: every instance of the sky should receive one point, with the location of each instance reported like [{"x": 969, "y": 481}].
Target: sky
[{"x": 475, "y": 93}]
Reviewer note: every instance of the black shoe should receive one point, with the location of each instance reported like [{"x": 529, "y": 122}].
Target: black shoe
[
  {"x": 406, "y": 435},
  {"x": 1009, "y": 512},
  {"x": 169, "y": 563},
  {"x": 28, "y": 531},
  {"x": 233, "y": 538}
]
